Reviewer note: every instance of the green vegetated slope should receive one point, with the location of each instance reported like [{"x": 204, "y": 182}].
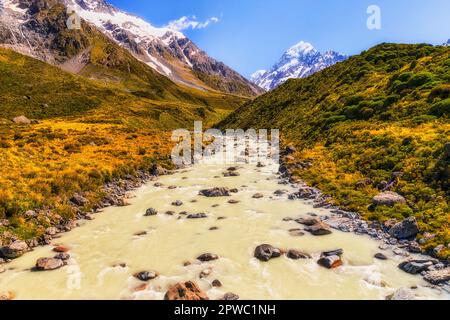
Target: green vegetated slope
[
  {"x": 384, "y": 111},
  {"x": 38, "y": 90},
  {"x": 86, "y": 131}
]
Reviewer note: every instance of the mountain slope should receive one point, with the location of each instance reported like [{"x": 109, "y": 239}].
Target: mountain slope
[
  {"x": 361, "y": 121},
  {"x": 168, "y": 52},
  {"x": 300, "y": 61}
]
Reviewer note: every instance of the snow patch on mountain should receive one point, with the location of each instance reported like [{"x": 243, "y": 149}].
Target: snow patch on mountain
[{"x": 299, "y": 61}]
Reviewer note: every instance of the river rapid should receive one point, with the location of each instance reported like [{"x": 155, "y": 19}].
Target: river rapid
[{"x": 121, "y": 241}]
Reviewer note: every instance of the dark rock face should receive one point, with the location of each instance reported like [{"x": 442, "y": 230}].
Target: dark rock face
[
  {"x": 266, "y": 252},
  {"x": 146, "y": 275},
  {"x": 185, "y": 291},
  {"x": 207, "y": 257},
  {"x": 406, "y": 229},
  {"x": 215, "y": 192},
  {"x": 14, "y": 250}
]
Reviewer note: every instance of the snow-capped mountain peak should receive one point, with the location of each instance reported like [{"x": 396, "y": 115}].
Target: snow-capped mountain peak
[
  {"x": 299, "y": 61},
  {"x": 300, "y": 49}
]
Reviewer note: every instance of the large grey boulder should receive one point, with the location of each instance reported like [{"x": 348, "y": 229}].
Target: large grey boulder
[
  {"x": 406, "y": 229},
  {"x": 388, "y": 198}
]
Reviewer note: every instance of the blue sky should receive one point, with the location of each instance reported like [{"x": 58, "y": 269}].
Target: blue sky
[{"x": 252, "y": 34}]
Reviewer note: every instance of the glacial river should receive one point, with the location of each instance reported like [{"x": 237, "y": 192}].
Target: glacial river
[{"x": 106, "y": 252}]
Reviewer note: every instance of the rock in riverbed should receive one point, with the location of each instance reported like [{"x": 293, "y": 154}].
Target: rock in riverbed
[
  {"x": 150, "y": 212},
  {"x": 401, "y": 294},
  {"x": 406, "y": 229},
  {"x": 215, "y": 192},
  {"x": 185, "y": 291},
  {"x": 197, "y": 216},
  {"x": 438, "y": 276},
  {"x": 330, "y": 262},
  {"x": 207, "y": 257},
  {"x": 319, "y": 229},
  {"x": 146, "y": 275},
  {"x": 177, "y": 203},
  {"x": 265, "y": 252},
  {"x": 258, "y": 196},
  {"x": 307, "y": 221},
  {"x": 415, "y": 266},
  {"x": 61, "y": 249},
  {"x": 296, "y": 255},
  {"x": 48, "y": 264},
  {"x": 14, "y": 250},
  {"x": 381, "y": 256},
  {"x": 230, "y": 296}
]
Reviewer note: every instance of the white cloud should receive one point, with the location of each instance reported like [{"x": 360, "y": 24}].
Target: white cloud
[{"x": 190, "y": 23}]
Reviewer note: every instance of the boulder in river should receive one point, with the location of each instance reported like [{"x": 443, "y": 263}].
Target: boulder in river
[
  {"x": 146, "y": 275},
  {"x": 216, "y": 284},
  {"x": 437, "y": 277},
  {"x": 207, "y": 257},
  {"x": 48, "y": 264},
  {"x": 415, "y": 266},
  {"x": 14, "y": 250},
  {"x": 151, "y": 212},
  {"x": 402, "y": 294},
  {"x": 307, "y": 221},
  {"x": 296, "y": 255},
  {"x": 388, "y": 198},
  {"x": 380, "y": 256},
  {"x": 61, "y": 249},
  {"x": 406, "y": 229},
  {"x": 330, "y": 262},
  {"x": 230, "y": 296},
  {"x": 265, "y": 252},
  {"x": 177, "y": 203},
  {"x": 185, "y": 291},
  {"x": 319, "y": 229},
  {"x": 197, "y": 216},
  {"x": 337, "y": 252},
  {"x": 231, "y": 174},
  {"x": 296, "y": 232},
  {"x": 258, "y": 196},
  {"x": 215, "y": 192}
]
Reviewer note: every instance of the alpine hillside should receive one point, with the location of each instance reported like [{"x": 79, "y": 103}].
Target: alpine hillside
[
  {"x": 26, "y": 27},
  {"x": 299, "y": 61},
  {"x": 377, "y": 122}
]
